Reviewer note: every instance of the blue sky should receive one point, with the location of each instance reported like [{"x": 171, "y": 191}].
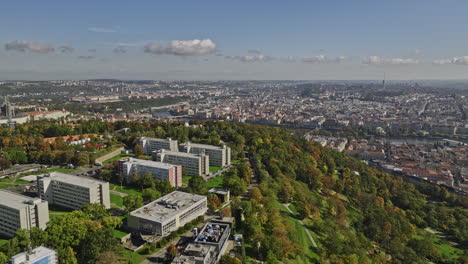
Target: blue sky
[{"x": 361, "y": 39}]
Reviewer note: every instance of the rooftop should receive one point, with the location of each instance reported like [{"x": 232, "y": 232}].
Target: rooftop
[
  {"x": 17, "y": 201},
  {"x": 71, "y": 179},
  {"x": 167, "y": 206},
  {"x": 181, "y": 154},
  {"x": 150, "y": 163},
  {"x": 157, "y": 139},
  {"x": 34, "y": 255},
  {"x": 204, "y": 146}
]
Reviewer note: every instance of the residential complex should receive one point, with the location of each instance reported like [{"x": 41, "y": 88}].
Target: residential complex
[
  {"x": 39, "y": 255},
  {"x": 220, "y": 156},
  {"x": 151, "y": 145},
  {"x": 72, "y": 191},
  {"x": 193, "y": 164},
  {"x": 21, "y": 212},
  {"x": 167, "y": 213},
  {"x": 159, "y": 170}
]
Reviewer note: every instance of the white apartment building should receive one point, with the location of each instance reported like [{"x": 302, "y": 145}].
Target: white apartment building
[
  {"x": 167, "y": 213},
  {"x": 159, "y": 170},
  {"x": 39, "y": 255},
  {"x": 21, "y": 212},
  {"x": 151, "y": 145},
  {"x": 193, "y": 164},
  {"x": 220, "y": 156},
  {"x": 72, "y": 191}
]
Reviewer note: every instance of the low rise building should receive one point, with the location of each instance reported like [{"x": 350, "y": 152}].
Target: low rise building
[
  {"x": 72, "y": 191},
  {"x": 193, "y": 164},
  {"x": 151, "y": 145},
  {"x": 39, "y": 255},
  {"x": 21, "y": 212},
  {"x": 167, "y": 213},
  {"x": 159, "y": 170},
  {"x": 220, "y": 156}
]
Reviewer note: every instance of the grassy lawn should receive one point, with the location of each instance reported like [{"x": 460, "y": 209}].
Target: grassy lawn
[
  {"x": 63, "y": 170},
  {"x": 124, "y": 189},
  {"x": 119, "y": 233},
  {"x": 444, "y": 248},
  {"x": 117, "y": 200},
  {"x": 57, "y": 211},
  {"x": 6, "y": 180},
  {"x": 3, "y": 241},
  {"x": 185, "y": 180},
  {"x": 118, "y": 157},
  {"x": 215, "y": 169},
  {"x": 215, "y": 182},
  {"x": 4, "y": 185}
]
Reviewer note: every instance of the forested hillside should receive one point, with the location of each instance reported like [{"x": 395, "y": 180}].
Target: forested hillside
[{"x": 354, "y": 214}]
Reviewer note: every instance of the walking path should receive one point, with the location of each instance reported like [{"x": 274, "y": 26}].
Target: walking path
[{"x": 303, "y": 225}]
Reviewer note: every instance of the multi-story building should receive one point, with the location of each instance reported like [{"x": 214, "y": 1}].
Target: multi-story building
[
  {"x": 167, "y": 213},
  {"x": 39, "y": 255},
  {"x": 192, "y": 164},
  {"x": 72, "y": 191},
  {"x": 21, "y": 212},
  {"x": 159, "y": 170},
  {"x": 220, "y": 156},
  {"x": 151, "y": 145}
]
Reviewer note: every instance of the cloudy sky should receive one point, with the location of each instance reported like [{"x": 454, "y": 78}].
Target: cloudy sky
[{"x": 268, "y": 39}]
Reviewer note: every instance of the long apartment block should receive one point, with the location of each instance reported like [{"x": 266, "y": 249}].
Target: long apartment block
[
  {"x": 21, "y": 212},
  {"x": 193, "y": 164},
  {"x": 72, "y": 191},
  {"x": 220, "y": 156},
  {"x": 152, "y": 145},
  {"x": 168, "y": 213},
  {"x": 159, "y": 170}
]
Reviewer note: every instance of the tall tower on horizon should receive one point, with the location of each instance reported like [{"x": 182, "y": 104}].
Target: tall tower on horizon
[
  {"x": 9, "y": 112},
  {"x": 383, "y": 82}
]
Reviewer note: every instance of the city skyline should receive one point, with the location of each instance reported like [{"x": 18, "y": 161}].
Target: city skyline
[{"x": 336, "y": 40}]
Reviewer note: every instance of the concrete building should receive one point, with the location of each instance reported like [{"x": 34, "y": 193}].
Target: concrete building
[
  {"x": 39, "y": 255},
  {"x": 209, "y": 244},
  {"x": 72, "y": 191},
  {"x": 159, "y": 170},
  {"x": 220, "y": 156},
  {"x": 150, "y": 145},
  {"x": 193, "y": 164},
  {"x": 21, "y": 212},
  {"x": 167, "y": 213}
]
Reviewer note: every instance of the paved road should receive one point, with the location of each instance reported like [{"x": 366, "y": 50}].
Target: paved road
[{"x": 305, "y": 228}]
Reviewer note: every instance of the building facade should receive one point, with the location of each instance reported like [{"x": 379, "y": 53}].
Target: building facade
[
  {"x": 220, "y": 156},
  {"x": 192, "y": 164},
  {"x": 168, "y": 213},
  {"x": 21, "y": 212},
  {"x": 159, "y": 170},
  {"x": 72, "y": 191},
  {"x": 150, "y": 145},
  {"x": 39, "y": 255}
]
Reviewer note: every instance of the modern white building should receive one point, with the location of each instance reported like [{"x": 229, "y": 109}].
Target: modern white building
[
  {"x": 39, "y": 255},
  {"x": 151, "y": 145},
  {"x": 220, "y": 156},
  {"x": 193, "y": 164},
  {"x": 168, "y": 213},
  {"x": 21, "y": 212},
  {"x": 159, "y": 170},
  {"x": 72, "y": 191}
]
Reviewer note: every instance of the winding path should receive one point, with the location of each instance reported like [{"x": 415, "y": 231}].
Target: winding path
[{"x": 305, "y": 228}]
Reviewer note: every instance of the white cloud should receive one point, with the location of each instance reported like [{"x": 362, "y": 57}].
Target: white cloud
[
  {"x": 101, "y": 30},
  {"x": 322, "y": 59},
  {"x": 183, "y": 47},
  {"x": 376, "y": 60},
  {"x": 250, "y": 58},
  {"x": 31, "y": 46},
  {"x": 463, "y": 60}
]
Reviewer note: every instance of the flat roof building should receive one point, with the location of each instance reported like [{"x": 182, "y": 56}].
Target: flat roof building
[
  {"x": 193, "y": 164},
  {"x": 150, "y": 145},
  {"x": 159, "y": 170},
  {"x": 220, "y": 156},
  {"x": 21, "y": 212},
  {"x": 167, "y": 213},
  {"x": 72, "y": 191},
  {"x": 209, "y": 244},
  {"x": 39, "y": 255}
]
